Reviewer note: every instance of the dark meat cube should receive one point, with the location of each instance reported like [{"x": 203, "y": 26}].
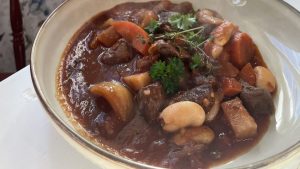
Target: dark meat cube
[
  {"x": 202, "y": 95},
  {"x": 184, "y": 7},
  {"x": 144, "y": 64},
  {"x": 163, "y": 48},
  {"x": 242, "y": 124},
  {"x": 150, "y": 100},
  {"x": 164, "y": 5},
  {"x": 199, "y": 79},
  {"x": 257, "y": 100},
  {"x": 120, "y": 52}
]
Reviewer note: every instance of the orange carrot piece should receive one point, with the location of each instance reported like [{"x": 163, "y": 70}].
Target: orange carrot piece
[
  {"x": 241, "y": 49},
  {"x": 133, "y": 34},
  {"x": 247, "y": 74},
  {"x": 231, "y": 87}
]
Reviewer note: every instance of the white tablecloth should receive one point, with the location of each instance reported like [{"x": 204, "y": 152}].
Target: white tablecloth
[{"x": 27, "y": 138}]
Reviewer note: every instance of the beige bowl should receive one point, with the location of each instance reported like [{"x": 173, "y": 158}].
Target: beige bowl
[{"x": 273, "y": 26}]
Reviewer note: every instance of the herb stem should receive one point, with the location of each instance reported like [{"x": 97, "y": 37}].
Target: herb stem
[{"x": 181, "y": 32}]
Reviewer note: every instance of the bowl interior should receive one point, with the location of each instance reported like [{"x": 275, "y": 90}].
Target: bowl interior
[{"x": 272, "y": 25}]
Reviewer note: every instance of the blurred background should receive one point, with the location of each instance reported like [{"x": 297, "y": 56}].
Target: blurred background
[{"x": 34, "y": 13}]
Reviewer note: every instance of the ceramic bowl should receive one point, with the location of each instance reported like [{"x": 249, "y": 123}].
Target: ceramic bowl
[{"x": 273, "y": 26}]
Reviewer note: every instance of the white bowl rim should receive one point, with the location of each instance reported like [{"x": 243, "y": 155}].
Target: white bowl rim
[{"x": 99, "y": 151}]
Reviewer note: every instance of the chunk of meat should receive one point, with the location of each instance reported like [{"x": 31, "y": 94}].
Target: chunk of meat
[
  {"x": 241, "y": 49},
  {"x": 199, "y": 79},
  {"x": 200, "y": 135},
  {"x": 231, "y": 87},
  {"x": 183, "y": 8},
  {"x": 163, "y": 48},
  {"x": 150, "y": 100},
  {"x": 164, "y": 5},
  {"x": 107, "y": 38},
  {"x": 241, "y": 122},
  {"x": 143, "y": 17},
  {"x": 248, "y": 75},
  {"x": 257, "y": 100},
  {"x": 178, "y": 155},
  {"x": 226, "y": 69},
  {"x": 107, "y": 124},
  {"x": 120, "y": 52},
  {"x": 206, "y": 16},
  {"x": 144, "y": 64},
  {"x": 202, "y": 95}
]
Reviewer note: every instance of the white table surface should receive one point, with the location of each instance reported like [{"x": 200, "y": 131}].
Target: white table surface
[{"x": 27, "y": 138}]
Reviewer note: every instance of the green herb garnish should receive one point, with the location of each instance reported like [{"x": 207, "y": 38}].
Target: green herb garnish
[
  {"x": 168, "y": 74},
  {"x": 196, "y": 62},
  {"x": 182, "y": 22},
  {"x": 152, "y": 27}
]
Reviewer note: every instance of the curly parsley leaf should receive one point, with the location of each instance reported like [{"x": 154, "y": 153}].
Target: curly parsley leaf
[
  {"x": 196, "y": 62},
  {"x": 157, "y": 70},
  {"x": 168, "y": 74},
  {"x": 152, "y": 27},
  {"x": 182, "y": 22}
]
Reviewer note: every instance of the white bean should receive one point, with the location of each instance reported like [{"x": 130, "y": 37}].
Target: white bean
[{"x": 182, "y": 114}]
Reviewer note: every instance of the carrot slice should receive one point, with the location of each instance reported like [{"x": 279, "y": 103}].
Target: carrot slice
[
  {"x": 241, "y": 49},
  {"x": 133, "y": 34},
  {"x": 247, "y": 74},
  {"x": 231, "y": 87}
]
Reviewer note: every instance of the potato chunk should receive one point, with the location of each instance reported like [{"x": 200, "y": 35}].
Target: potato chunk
[
  {"x": 242, "y": 124},
  {"x": 137, "y": 81}
]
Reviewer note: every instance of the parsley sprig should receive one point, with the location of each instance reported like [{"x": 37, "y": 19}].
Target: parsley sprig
[
  {"x": 168, "y": 73},
  {"x": 196, "y": 61},
  {"x": 182, "y": 22},
  {"x": 152, "y": 27}
]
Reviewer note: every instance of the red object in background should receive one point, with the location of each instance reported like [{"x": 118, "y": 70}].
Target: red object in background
[
  {"x": 17, "y": 32},
  {"x": 18, "y": 37}
]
